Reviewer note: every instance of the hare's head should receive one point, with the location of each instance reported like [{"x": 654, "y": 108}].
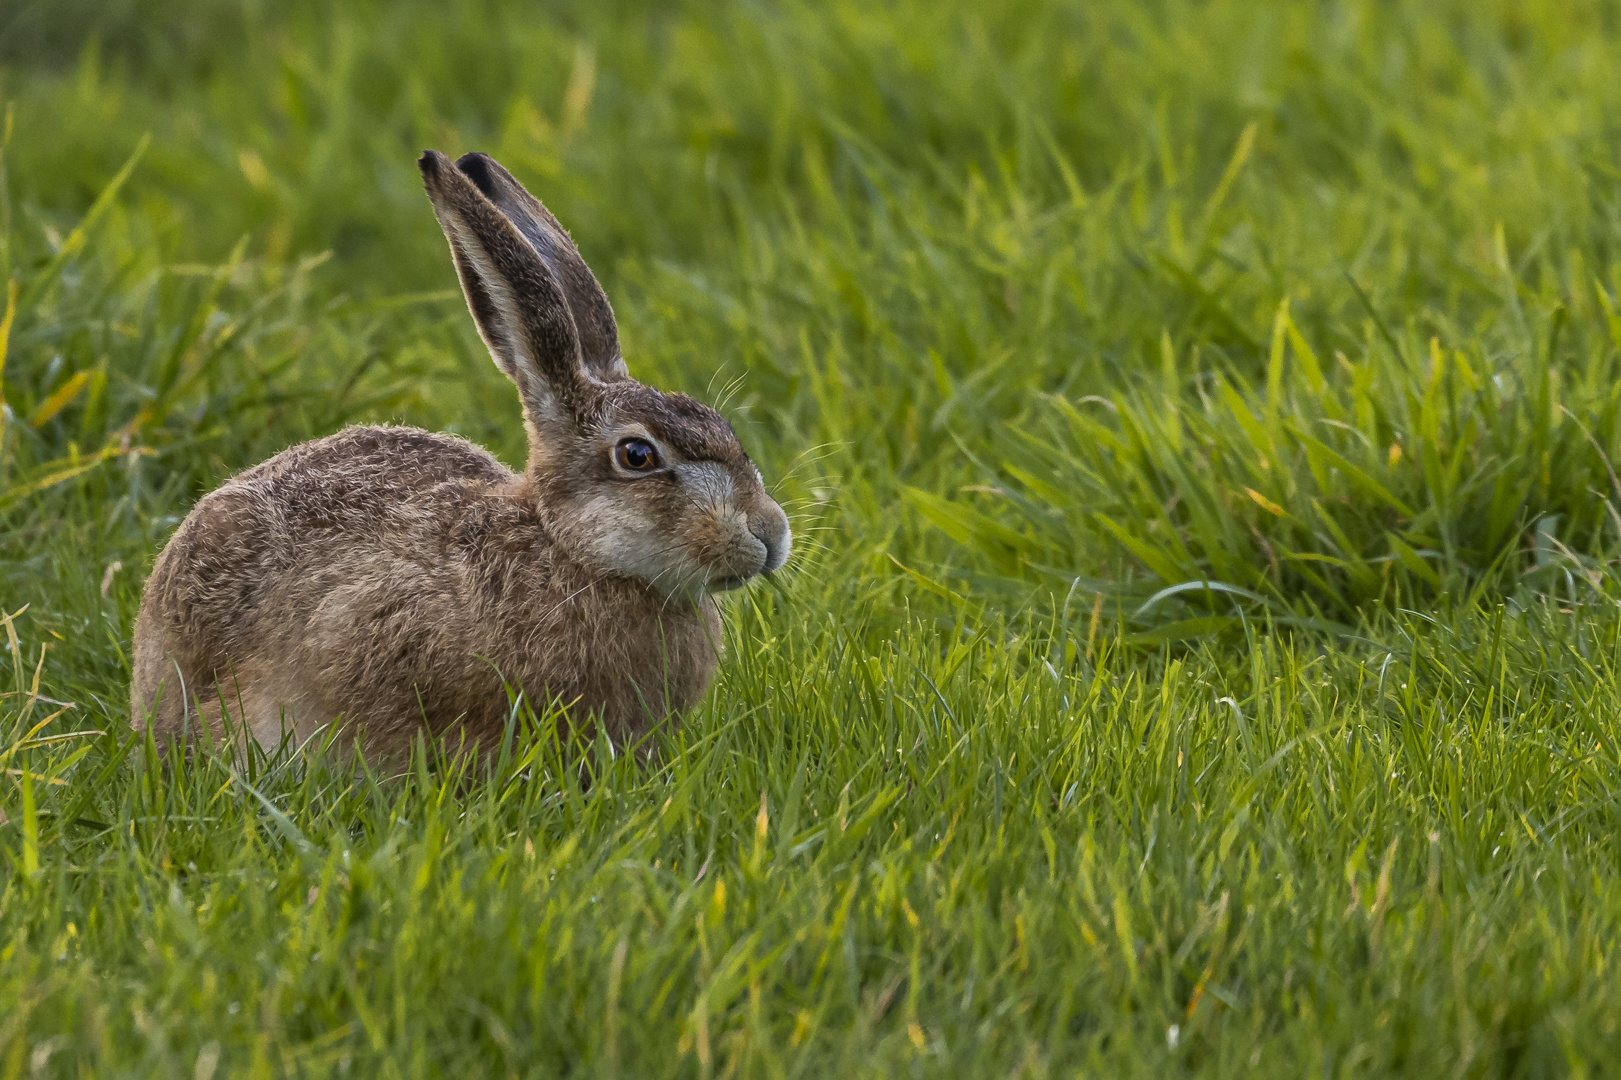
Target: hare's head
[{"x": 633, "y": 481}]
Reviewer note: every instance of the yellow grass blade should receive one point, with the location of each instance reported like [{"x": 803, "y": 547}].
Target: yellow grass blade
[{"x": 59, "y": 400}]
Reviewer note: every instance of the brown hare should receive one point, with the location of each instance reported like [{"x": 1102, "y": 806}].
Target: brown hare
[{"x": 396, "y": 581}]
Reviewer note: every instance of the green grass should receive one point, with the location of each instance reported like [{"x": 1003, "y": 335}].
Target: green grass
[{"x": 1200, "y": 420}]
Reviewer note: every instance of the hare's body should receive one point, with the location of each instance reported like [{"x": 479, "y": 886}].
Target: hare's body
[
  {"x": 397, "y": 582},
  {"x": 392, "y": 579}
]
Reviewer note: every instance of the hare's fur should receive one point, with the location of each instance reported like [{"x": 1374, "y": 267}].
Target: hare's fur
[
  {"x": 397, "y": 581},
  {"x": 394, "y": 578}
]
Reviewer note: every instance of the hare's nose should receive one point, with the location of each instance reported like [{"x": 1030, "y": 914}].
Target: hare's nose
[{"x": 771, "y": 529}]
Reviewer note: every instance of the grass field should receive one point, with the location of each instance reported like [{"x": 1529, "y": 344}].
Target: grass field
[{"x": 1201, "y": 422}]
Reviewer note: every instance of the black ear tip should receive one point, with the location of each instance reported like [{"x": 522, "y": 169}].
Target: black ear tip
[
  {"x": 429, "y": 163},
  {"x": 480, "y": 169}
]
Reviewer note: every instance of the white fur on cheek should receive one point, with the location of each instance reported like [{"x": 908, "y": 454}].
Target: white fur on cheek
[
  {"x": 622, "y": 539},
  {"x": 712, "y": 547}
]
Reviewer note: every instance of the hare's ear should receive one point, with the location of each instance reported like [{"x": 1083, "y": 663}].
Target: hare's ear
[
  {"x": 593, "y": 316},
  {"x": 519, "y": 306}
]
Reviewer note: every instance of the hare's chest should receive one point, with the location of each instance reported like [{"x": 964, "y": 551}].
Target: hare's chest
[{"x": 615, "y": 650}]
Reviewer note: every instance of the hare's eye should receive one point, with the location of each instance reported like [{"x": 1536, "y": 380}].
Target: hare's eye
[{"x": 635, "y": 455}]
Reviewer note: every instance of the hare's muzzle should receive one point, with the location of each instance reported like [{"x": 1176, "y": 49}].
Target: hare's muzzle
[
  {"x": 770, "y": 527},
  {"x": 760, "y": 546}
]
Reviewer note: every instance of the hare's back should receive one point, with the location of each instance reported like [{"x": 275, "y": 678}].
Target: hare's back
[
  {"x": 297, "y": 564},
  {"x": 362, "y": 466},
  {"x": 382, "y": 488},
  {"x": 315, "y": 515}
]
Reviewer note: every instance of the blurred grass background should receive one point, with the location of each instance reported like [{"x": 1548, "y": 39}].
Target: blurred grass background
[{"x": 1200, "y": 418}]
